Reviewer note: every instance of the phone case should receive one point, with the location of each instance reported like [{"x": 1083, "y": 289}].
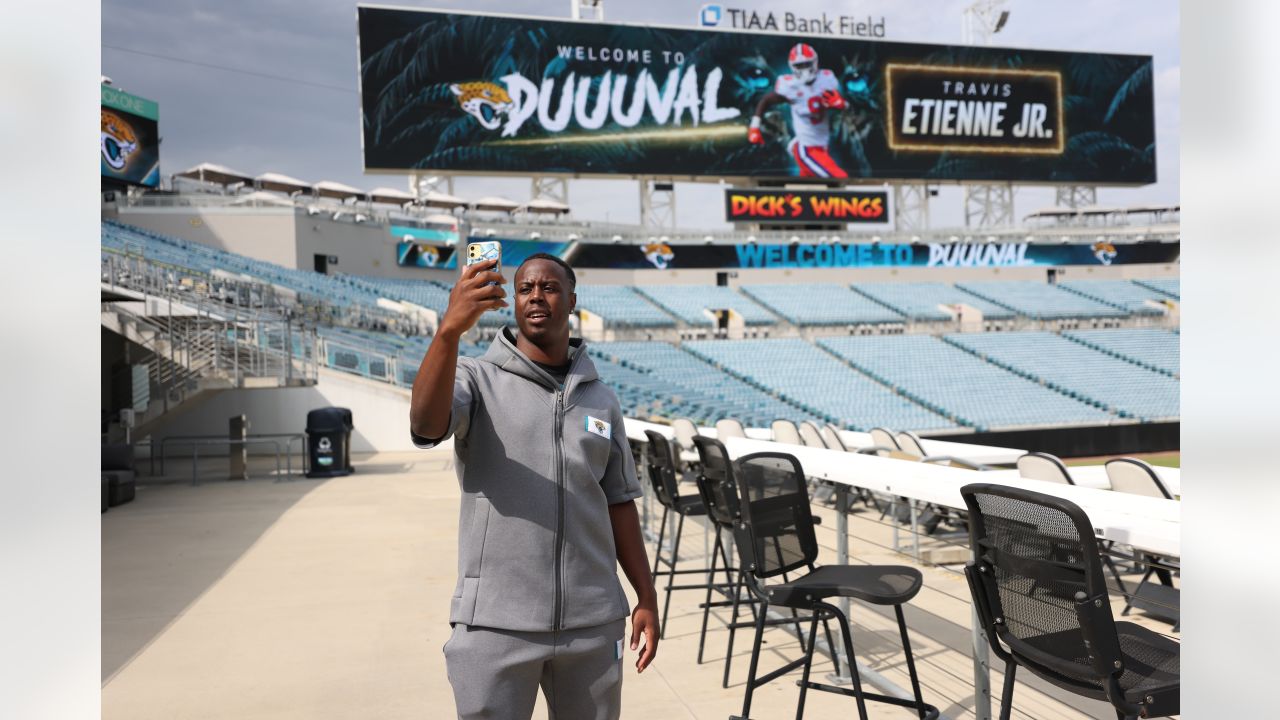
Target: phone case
[{"x": 485, "y": 250}]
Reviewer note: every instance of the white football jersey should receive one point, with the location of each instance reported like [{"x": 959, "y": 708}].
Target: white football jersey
[{"x": 809, "y": 129}]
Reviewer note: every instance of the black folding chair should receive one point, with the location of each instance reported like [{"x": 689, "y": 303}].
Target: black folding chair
[
  {"x": 1037, "y": 584},
  {"x": 661, "y": 461},
  {"x": 775, "y": 536},
  {"x": 719, "y": 489},
  {"x": 719, "y": 493}
]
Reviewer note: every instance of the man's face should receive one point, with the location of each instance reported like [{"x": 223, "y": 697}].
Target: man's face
[{"x": 543, "y": 301}]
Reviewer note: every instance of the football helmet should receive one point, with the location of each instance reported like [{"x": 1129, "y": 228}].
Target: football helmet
[{"x": 803, "y": 60}]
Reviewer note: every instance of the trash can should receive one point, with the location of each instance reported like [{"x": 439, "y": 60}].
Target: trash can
[{"x": 329, "y": 442}]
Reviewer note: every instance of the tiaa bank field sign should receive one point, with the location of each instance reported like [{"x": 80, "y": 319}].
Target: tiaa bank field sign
[{"x": 715, "y": 15}]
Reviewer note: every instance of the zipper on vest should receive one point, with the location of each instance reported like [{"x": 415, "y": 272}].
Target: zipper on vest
[{"x": 559, "y": 608}]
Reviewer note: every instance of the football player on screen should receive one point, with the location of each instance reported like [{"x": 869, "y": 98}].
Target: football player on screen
[{"x": 811, "y": 92}]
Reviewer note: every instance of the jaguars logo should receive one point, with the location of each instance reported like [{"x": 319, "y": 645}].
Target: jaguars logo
[
  {"x": 599, "y": 425},
  {"x": 1104, "y": 251},
  {"x": 484, "y": 101},
  {"x": 658, "y": 254},
  {"x": 428, "y": 256},
  {"x": 118, "y": 141}
]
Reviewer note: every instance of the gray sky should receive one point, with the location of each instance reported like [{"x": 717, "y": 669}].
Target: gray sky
[{"x": 309, "y": 127}]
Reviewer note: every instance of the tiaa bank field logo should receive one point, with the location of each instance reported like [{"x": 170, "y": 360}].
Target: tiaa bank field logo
[{"x": 710, "y": 15}]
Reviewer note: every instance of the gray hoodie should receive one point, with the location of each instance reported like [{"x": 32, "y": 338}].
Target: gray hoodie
[{"x": 539, "y": 464}]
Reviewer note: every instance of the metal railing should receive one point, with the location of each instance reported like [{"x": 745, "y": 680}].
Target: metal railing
[
  {"x": 196, "y": 326},
  {"x": 195, "y": 442}
]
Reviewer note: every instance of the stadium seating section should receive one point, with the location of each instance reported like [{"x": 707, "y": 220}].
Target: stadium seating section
[
  {"x": 334, "y": 290},
  {"x": 660, "y": 379},
  {"x": 1078, "y": 371},
  {"x": 689, "y": 303},
  {"x": 820, "y": 304},
  {"x": 956, "y": 384},
  {"x": 1152, "y": 348},
  {"x": 1039, "y": 300},
  {"x": 1120, "y": 294},
  {"x": 981, "y": 381},
  {"x": 1169, "y": 286},
  {"x": 824, "y": 386},
  {"x": 622, "y": 306},
  {"x": 920, "y": 300}
]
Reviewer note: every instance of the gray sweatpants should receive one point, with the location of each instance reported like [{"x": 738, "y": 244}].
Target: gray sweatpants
[{"x": 496, "y": 673}]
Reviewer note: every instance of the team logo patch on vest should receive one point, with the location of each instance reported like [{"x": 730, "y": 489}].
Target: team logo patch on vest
[{"x": 596, "y": 426}]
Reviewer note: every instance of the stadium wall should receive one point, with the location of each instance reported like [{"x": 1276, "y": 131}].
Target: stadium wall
[
  {"x": 1089, "y": 441},
  {"x": 855, "y": 275},
  {"x": 380, "y": 412},
  {"x": 264, "y": 233}
]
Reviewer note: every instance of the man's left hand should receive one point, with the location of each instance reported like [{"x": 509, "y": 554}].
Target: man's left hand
[
  {"x": 833, "y": 100},
  {"x": 644, "y": 622}
]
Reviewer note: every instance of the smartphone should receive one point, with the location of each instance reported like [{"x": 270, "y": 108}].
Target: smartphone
[{"x": 486, "y": 250}]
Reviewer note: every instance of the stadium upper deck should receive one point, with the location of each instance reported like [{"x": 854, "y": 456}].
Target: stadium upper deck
[{"x": 926, "y": 382}]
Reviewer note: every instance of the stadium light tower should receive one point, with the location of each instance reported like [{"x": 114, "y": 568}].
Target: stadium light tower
[
  {"x": 587, "y": 10},
  {"x": 986, "y": 205},
  {"x": 983, "y": 19}
]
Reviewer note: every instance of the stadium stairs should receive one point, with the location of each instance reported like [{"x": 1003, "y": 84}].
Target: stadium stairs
[{"x": 193, "y": 346}]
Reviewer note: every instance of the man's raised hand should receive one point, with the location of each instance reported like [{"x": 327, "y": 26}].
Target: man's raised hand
[{"x": 471, "y": 296}]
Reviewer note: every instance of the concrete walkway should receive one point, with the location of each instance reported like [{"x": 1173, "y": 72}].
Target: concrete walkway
[{"x": 325, "y": 599}]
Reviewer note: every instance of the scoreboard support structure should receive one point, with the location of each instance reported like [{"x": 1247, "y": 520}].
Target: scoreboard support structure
[
  {"x": 1076, "y": 196},
  {"x": 657, "y": 204},
  {"x": 988, "y": 206},
  {"x": 911, "y": 206}
]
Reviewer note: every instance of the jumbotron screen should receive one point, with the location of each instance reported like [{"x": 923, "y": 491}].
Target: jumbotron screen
[
  {"x": 130, "y": 146},
  {"x": 468, "y": 93}
]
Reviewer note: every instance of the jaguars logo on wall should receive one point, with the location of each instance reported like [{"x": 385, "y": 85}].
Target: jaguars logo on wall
[
  {"x": 428, "y": 256},
  {"x": 119, "y": 141},
  {"x": 484, "y": 101},
  {"x": 658, "y": 254},
  {"x": 1104, "y": 251}
]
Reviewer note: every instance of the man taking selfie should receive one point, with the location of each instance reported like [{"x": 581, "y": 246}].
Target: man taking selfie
[{"x": 548, "y": 512}]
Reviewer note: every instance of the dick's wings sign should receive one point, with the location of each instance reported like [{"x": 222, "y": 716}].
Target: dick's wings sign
[
  {"x": 806, "y": 206},
  {"x": 467, "y": 93}
]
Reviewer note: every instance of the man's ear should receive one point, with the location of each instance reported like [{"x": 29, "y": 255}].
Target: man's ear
[{"x": 573, "y": 301}]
